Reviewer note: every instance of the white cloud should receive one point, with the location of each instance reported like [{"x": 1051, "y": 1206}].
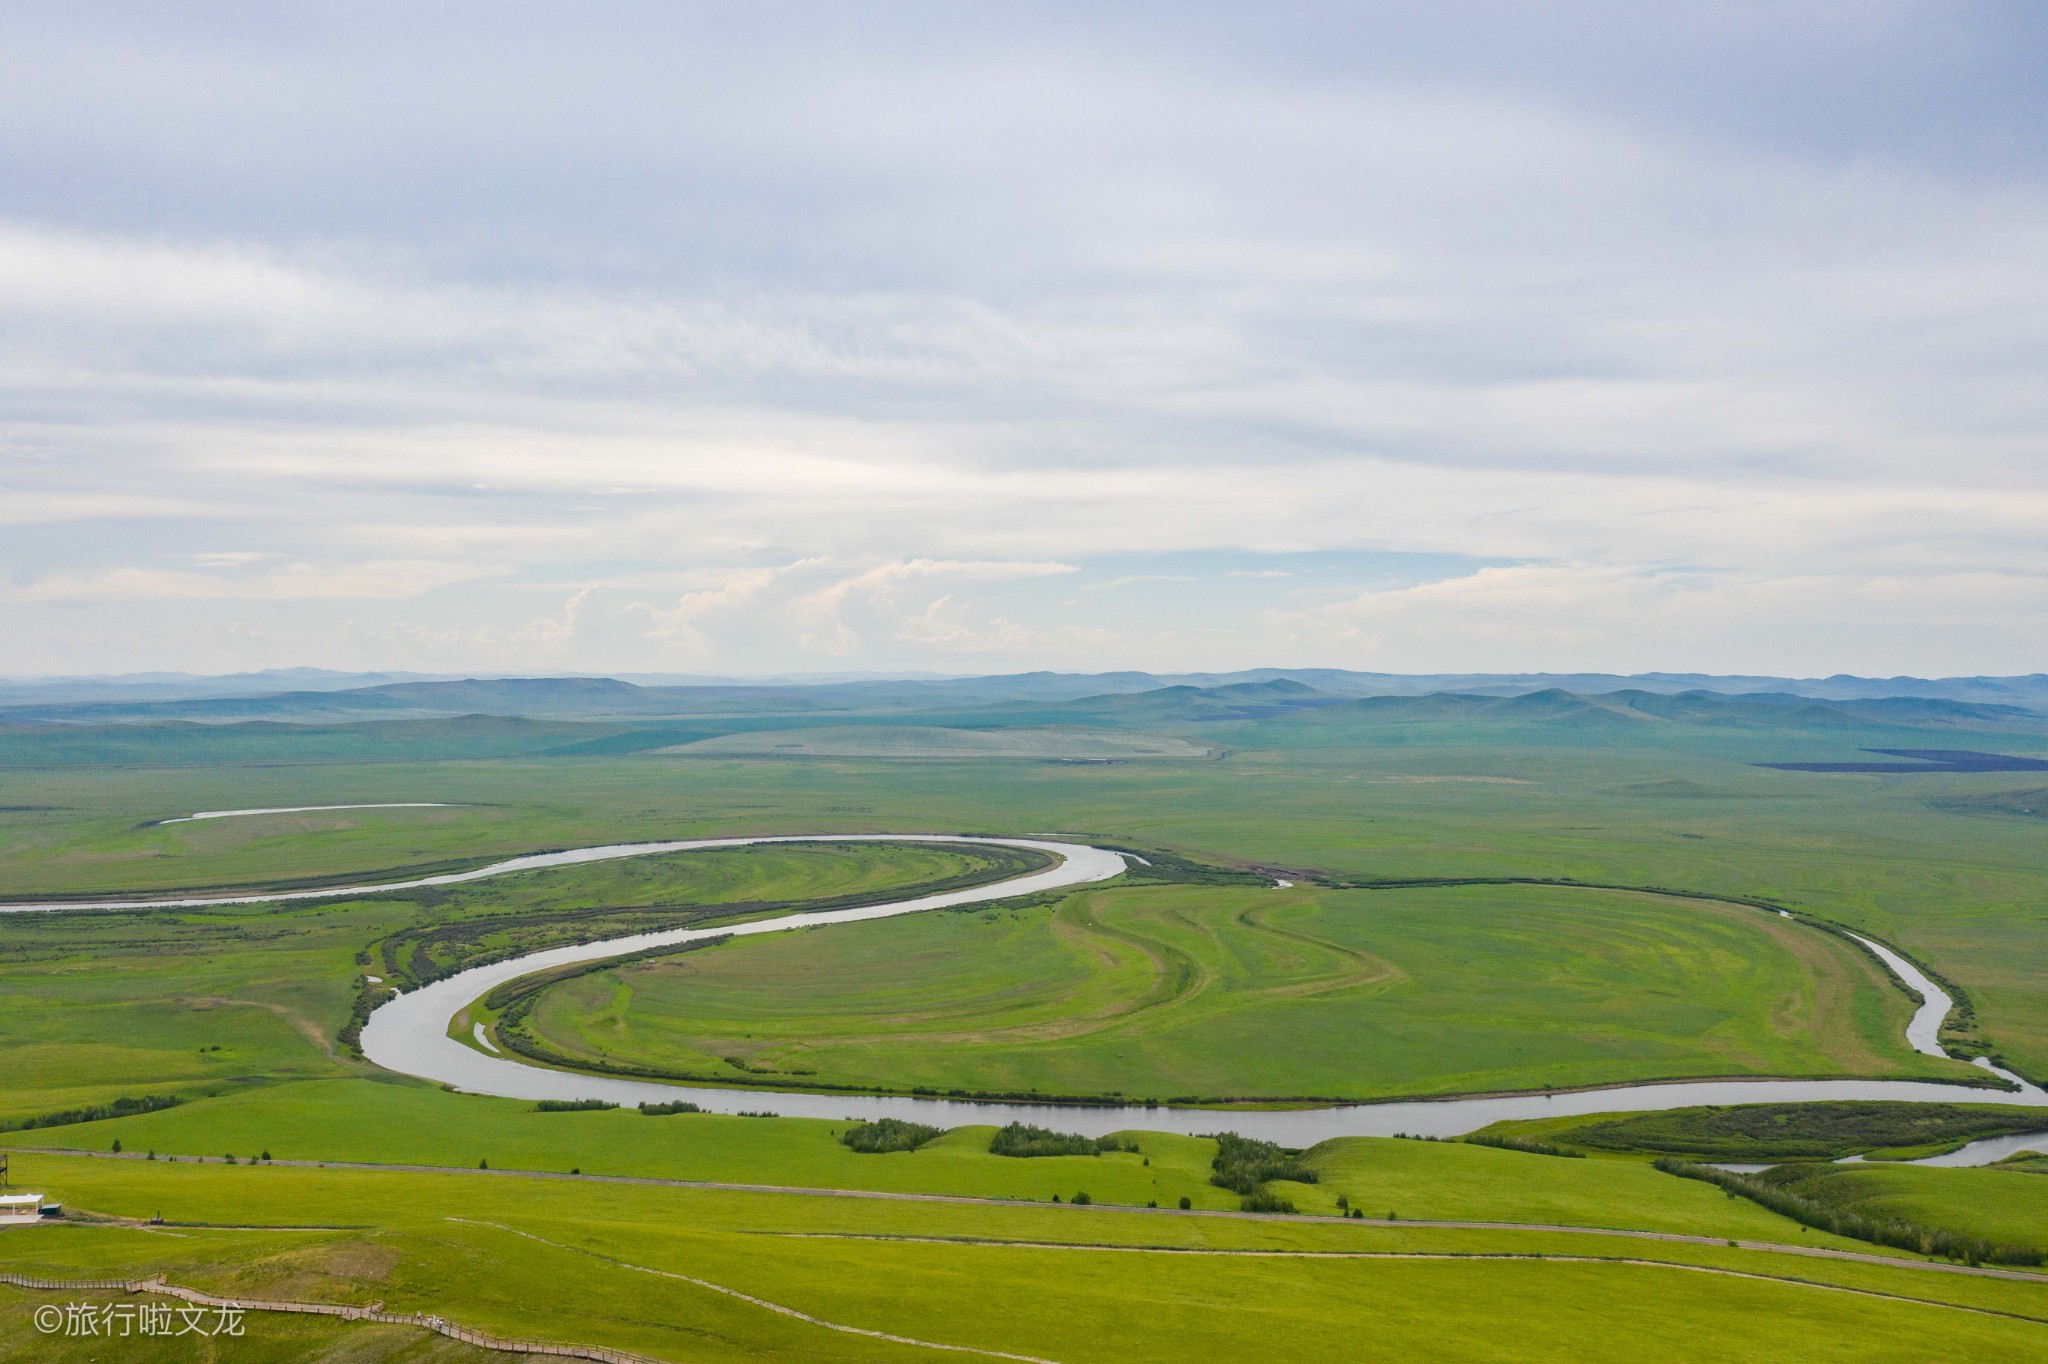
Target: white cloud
[
  {"x": 926, "y": 317},
  {"x": 372, "y": 580}
]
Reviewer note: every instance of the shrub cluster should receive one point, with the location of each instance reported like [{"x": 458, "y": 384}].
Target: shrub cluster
[
  {"x": 1021, "y": 1139},
  {"x": 1242, "y": 1164},
  {"x": 572, "y": 1106},
  {"x": 888, "y": 1134},
  {"x": 368, "y": 997},
  {"x": 1265, "y": 1202},
  {"x": 120, "y": 1108},
  {"x": 663, "y": 1110}
]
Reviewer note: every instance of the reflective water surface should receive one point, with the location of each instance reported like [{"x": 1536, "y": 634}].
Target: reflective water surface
[{"x": 410, "y": 1034}]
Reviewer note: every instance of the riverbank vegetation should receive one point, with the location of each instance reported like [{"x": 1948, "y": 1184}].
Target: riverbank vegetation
[
  {"x": 1783, "y": 1131},
  {"x": 1022, "y": 1139},
  {"x": 887, "y": 1134},
  {"x": 1242, "y": 1164},
  {"x": 1787, "y": 1190}
]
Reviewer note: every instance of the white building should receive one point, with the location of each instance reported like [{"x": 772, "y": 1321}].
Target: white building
[{"x": 16, "y": 1208}]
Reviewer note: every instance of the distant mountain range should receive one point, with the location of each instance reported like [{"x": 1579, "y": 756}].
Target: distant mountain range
[{"x": 1123, "y": 699}]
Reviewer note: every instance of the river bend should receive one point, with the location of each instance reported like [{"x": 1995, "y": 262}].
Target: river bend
[{"x": 409, "y": 1034}]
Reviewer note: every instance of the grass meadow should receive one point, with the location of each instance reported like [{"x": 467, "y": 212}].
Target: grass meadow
[
  {"x": 1371, "y": 977},
  {"x": 642, "y": 1267},
  {"x": 1181, "y": 992}
]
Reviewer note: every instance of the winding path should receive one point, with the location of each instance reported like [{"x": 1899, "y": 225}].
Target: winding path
[{"x": 409, "y": 1034}]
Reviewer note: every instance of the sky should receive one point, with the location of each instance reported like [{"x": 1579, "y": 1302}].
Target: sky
[{"x": 744, "y": 339}]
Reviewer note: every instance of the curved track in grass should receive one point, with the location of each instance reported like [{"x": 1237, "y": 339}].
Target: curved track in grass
[{"x": 410, "y": 1033}]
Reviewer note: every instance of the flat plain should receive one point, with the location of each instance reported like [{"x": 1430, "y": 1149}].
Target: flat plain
[
  {"x": 1230, "y": 993},
  {"x": 1545, "y": 896}
]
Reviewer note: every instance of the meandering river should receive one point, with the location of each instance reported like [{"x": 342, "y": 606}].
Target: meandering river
[{"x": 410, "y": 1033}]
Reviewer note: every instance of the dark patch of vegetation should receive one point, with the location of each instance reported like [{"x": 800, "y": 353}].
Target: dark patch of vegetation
[
  {"x": 1241, "y": 1164},
  {"x": 1804, "y": 1131},
  {"x": 1773, "y": 1189},
  {"x": 1171, "y": 868},
  {"x": 888, "y": 1134},
  {"x": 572, "y": 1106},
  {"x": 368, "y": 997},
  {"x": 664, "y": 1110},
  {"x": 123, "y": 1107},
  {"x": 1265, "y": 1202},
  {"x": 1021, "y": 1139},
  {"x": 1523, "y": 1144}
]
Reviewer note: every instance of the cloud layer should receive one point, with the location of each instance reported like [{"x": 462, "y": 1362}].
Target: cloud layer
[{"x": 667, "y": 337}]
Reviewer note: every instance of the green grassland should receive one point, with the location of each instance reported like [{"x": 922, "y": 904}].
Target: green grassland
[
  {"x": 361, "y": 1120},
  {"x": 1661, "y": 806},
  {"x": 95, "y": 1005},
  {"x": 2003, "y": 1206},
  {"x": 654, "y": 1269},
  {"x": 1176, "y": 992},
  {"x": 1348, "y": 984},
  {"x": 1066, "y": 743}
]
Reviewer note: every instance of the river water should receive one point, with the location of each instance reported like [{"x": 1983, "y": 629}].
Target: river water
[{"x": 410, "y": 1033}]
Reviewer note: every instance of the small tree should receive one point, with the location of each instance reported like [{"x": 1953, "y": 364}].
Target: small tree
[
  {"x": 1082, "y": 1197},
  {"x": 1186, "y": 1203},
  {"x": 483, "y": 1165},
  {"x": 117, "y": 1146}
]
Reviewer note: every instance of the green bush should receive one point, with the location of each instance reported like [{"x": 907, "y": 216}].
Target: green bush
[
  {"x": 1020, "y": 1139},
  {"x": 1241, "y": 1164},
  {"x": 572, "y": 1106},
  {"x": 888, "y": 1134},
  {"x": 663, "y": 1110},
  {"x": 1265, "y": 1202},
  {"x": 119, "y": 1108}
]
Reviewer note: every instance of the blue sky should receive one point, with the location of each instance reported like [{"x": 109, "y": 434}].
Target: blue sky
[{"x": 969, "y": 338}]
